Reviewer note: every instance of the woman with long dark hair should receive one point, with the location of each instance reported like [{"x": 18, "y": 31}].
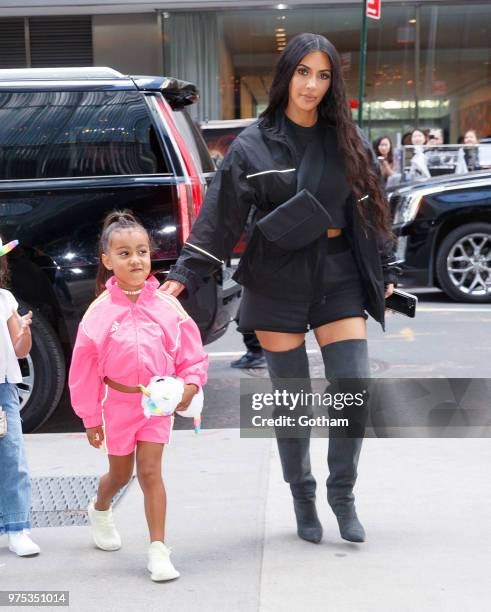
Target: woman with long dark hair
[
  {"x": 321, "y": 281},
  {"x": 382, "y": 147}
]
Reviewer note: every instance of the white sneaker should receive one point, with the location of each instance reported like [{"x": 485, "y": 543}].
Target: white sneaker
[
  {"x": 104, "y": 530},
  {"x": 21, "y": 544},
  {"x": 159, "y": 563}
]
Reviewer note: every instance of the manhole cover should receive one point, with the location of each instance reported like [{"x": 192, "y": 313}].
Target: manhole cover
[{"x": 62, "y": 501}]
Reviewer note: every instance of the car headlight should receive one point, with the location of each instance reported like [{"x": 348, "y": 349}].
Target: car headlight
[{"x": 407, "y": 209}]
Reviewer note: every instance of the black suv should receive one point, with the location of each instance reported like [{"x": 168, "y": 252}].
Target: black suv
[
  {"x": 75, "y": 144},
  {"x": 444, "y": 234}
]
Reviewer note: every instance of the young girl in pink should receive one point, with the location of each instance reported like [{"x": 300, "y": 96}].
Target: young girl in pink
[{"x": 130, "y": 333}]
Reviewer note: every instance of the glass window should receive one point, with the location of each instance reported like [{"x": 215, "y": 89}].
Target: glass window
[
  {"x": 428, "y": 64},
  {"x": 194, "y": 141},
  {"x": 75, "y": 134}
]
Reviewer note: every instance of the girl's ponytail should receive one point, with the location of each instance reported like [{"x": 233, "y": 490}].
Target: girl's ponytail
[{"x": 114, "y": 221}]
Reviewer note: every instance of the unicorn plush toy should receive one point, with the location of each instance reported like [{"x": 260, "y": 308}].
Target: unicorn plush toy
[
  {"x": 6, "y": 248},
  {"x": 162, "y": 396}
]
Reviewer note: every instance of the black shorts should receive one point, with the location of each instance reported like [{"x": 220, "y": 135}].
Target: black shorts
[{"x": 340, "y": 296}]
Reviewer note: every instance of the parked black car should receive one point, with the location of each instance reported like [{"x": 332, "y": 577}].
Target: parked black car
[
  {"x": 74, "y": 144},
  {"x": 444, "y": 234}
]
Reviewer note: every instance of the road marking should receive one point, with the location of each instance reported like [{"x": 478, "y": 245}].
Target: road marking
[
  {"x": 239, "y": 353},
  {"x": 450, "y": 309}
]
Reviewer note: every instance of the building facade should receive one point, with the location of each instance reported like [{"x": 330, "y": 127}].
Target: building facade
[{"x": 428, "y": 61}]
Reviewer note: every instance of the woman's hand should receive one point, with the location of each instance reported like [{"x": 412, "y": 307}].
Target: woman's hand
[
  {"x": 386, "y": 169},
  {"x": 172, "y": 288},
  {"x": 188, "y": 394},
  {"x": 389, "y": 290},
  {"x": 95, "y": 436}
]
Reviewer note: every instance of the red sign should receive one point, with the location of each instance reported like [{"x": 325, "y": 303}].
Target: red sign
[{"x": 374, "y": 8}]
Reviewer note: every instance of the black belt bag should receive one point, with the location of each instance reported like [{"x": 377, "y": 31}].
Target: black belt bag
[{"x": 301, "y": 219}]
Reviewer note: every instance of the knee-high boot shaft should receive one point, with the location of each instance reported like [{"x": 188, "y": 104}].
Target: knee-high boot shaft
[
  {"x": 289, "y": 370},
  {"x": 346, "y": 359}
]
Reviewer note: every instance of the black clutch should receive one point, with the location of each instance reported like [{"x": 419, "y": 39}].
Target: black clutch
[{"x": 295, "y": 223}]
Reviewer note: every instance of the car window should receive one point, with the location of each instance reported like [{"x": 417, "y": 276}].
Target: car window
[
  {"x": 58, "y": 134},
  {"x": 194, "y": 140}
]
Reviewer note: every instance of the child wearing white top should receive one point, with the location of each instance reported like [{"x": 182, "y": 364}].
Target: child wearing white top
[{"x": 15, "y": 342}]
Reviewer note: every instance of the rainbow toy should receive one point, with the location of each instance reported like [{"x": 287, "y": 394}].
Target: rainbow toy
[
  {"x": 6, "y": 248},
  {"x": 162, "y": 396}
]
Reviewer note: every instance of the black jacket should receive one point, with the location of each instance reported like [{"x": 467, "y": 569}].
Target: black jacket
[{"x": 259, "y": 171}]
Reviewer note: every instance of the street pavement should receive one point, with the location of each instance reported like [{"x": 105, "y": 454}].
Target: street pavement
[
  {"x": 444, "y": 340},
  {"x": 424, "y": 503}
]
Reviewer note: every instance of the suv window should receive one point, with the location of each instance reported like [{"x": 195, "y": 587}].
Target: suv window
[
  {"x": 194, "y": 141},
  {"x": 58, "y": 134}
]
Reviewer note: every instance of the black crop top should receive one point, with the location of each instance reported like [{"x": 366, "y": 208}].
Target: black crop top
[{"x": 334, "y": 189}]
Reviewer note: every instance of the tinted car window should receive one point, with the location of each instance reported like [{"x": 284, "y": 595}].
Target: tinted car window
[
  {"x": 194, "y": 141},
  {"x": 72, "y": 134}
]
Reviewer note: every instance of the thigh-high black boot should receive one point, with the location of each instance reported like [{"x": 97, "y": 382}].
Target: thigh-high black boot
[
  {"x": 346, "y": 359},
  {"x": 289, "y": 370}
]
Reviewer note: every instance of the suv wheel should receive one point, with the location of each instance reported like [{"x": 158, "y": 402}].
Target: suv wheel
[
  {"x": 43, "y": 375},
  {"x": 463, "y": 263}
]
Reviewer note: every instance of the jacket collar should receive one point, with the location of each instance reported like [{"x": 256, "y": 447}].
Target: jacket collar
[
  {"x": 276, "y": 128},
  {"x": 151, "y": 285}
]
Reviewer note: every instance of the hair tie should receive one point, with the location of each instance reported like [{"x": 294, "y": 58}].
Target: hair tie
[{"x": 6, "y": 248}]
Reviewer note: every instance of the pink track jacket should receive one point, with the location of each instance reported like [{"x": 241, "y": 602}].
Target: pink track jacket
[{"x": 129, "y": 343}]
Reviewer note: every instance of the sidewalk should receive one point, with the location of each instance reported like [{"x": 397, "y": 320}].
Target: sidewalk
[{"x": 425, "y": 505}]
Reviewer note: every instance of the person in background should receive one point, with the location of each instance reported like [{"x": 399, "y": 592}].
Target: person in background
[
  {"x": 383, "y": 150},
  {"x": 254, "y": 356},
  {"x": 471, "y": 152},
  {"x": 418, "y": 169},
  {"x": 418, "y": 137},
  {"x": 470, "y": 138},
  {"x": 406, "y": 139},
  {"x": 15, "y": 484},
  {"x": 435, "y": 137}
]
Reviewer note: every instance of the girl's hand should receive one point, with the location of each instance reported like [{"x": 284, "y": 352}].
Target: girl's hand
[
  {"x": 187, "y": 396},
  {"x": 24, "y": 324},
  {"x": 95, "y": 435},
  {"x": 172, "y": 287}
]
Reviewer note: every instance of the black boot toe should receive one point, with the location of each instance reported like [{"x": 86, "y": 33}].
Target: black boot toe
[
  {"x": 350, "y": 527},
  {"x": 309, "y": 527}
]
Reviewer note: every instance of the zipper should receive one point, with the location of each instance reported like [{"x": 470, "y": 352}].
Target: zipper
[{"x": 137, "y": 344}]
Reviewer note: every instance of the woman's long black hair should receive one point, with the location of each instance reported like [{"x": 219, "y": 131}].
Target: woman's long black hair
[{"x": 334, "y": 107}]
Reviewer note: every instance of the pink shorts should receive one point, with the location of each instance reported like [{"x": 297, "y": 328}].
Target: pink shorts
[{"x": 125, "y": 424}]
